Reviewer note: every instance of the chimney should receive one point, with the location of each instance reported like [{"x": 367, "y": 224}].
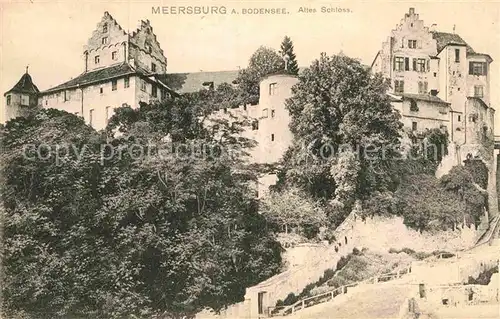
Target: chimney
[{"x": 433, "y": 27}]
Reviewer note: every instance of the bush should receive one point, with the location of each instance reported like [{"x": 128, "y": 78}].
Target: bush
[
  {"x": 342, "y": 262},
  {"x": 483, "y": 278},
  {"x": 280, "y": 303},
  {"x": 356, "y": 252},
  {"x": 408, "y": 251},
  {"x": 290, "y": 299}
]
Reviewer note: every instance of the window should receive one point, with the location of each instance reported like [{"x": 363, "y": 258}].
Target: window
[
  {"x": 414, "y": 65},
  {"x": 66, "y": 96},
  {"x": 459, "y": 118},
  {"x": 457, "y": 55},
  {"x": 225, "y": 110},
  {"x": 147, "y": 47},
  {"x": 105, "y": 40},
  {"x": 143, "y": 85},
  {"x": 422, "y": 87},
  {"x": 8, "y": 99},
  {"x": 473, "y": 117},
  {"x": 114, "y": 55},
  {"x": 163, "y": 94},
  {"x": 398, "y": 63},
  {"x": 255, "y": 125},
  {"x": 435, "y": 74},
  {"x": 114, "y": 85},
  {"x": 107, "y": 114},
  {"x": 91, "y": 116},
  {"x": 46, "y": 102},
  {"x": 273, "y": 113},
  {"x": 478, "y": 68},
  {"x": 154, "y": 91},
  {"x": 413, "y": 106},
  {"x": 97, "y": 59},
  {"x": 421, "y": 65},
  {"x": 272, "y": 137},
  {"x": 407, "y": 64},
  {"x": 265, "y": 113},
  {"x": 399, "y": 86},
  {"x": 412, "y": 44},
  {"x": 105, "y": 28},
  {"x": 478, "y": 91},
  {"x": 153, "y": 67},
  {"x": 273, "y": 88},
  {"x": 126, "y": 82},
  {"x": 413, "y": 126},
  {"x": 25, "y": 100},
  {"x": 101, "y": 90}
]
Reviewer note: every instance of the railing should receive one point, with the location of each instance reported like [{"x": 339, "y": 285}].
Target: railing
[{"x": 330, "y": 295}]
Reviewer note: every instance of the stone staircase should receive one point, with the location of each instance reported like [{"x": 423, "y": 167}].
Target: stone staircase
[{"x": 330, "y": 295}]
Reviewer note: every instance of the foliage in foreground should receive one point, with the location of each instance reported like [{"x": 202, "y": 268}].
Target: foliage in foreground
[{"x": 101, "y": 235}]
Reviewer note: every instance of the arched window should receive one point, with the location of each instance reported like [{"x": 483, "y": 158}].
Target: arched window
[{"x": 105, "y": 28}]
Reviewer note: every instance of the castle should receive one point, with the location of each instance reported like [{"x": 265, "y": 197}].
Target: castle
[{"x": 438, "y": 81}]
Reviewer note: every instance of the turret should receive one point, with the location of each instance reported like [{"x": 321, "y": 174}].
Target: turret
[{"x": 20, "y": 98}]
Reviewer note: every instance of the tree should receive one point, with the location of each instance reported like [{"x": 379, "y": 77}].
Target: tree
[
  {"x": 263, "y": 62},
  {"x": 159, "y": 220},
  {"x": 338, "y": 106},
  {"x": 287, "y": 49},
  {"x": 292, "y": 208}
]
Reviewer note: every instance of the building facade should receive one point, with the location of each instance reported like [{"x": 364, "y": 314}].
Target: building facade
[
  {"x": 118, "y": 68},
  {"x": 437, "y": 80}
]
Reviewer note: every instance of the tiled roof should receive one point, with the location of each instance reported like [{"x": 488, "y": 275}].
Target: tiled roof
[
  {"x": 424, "y": 97},
  {"x": 24, "y": 85},
  {"x": 192, "y": 82},
  {"x": 95, "y": 76},
  {"x": 479, "y": 100},
  {"x": 443, "y": 39}
]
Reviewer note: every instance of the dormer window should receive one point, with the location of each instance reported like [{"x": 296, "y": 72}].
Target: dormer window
[
  {"x": 105, "y": 40},
  {"x": 97, "y": 59},
  {"x": 105, "y": 28},
  {"x": 412, "y": 44},
  {"x": 153, "y": 67}
]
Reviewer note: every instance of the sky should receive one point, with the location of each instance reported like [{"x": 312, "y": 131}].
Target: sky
[{"x": 49, "y": 35}]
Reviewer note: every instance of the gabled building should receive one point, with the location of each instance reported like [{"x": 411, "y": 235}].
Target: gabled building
[
  {"x": 438, "y": 80},
  {"x": 118, "y": 68}
]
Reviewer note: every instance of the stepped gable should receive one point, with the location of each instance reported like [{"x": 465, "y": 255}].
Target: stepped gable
[
  {"x": 144, "y": 34},
  {"x": 24, "y": 85},
  {"x": 114, "y": 32}
]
